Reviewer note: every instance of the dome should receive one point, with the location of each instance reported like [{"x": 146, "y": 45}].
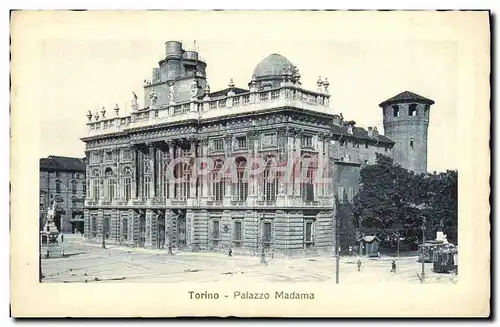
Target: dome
[{"x": 272, "y": 65}]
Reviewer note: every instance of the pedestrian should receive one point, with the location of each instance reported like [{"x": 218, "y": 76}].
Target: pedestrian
[
  {"x": 230, "y": 252},
  {"x": 378, "y": 254},
  {"x": 62, "y": 238},
  {"x": 393, "y": 266},
  {"x": 359, "y": 265}
]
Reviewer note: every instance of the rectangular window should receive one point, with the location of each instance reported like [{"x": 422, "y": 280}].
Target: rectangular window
[
  {"x": 341, "y": 194},
  {"x": 264, "y": 96},
  {"x": 308, "y": 233},
  {"x": 395, "y": 111},
  {"x": 212, "y": 105},
  {"x": 237, "y": 233},
  {"x": 241, "y": 142},
  {"x": 106, "y": 225},
  {"x": 275, "y": 95},
  {"x": 124, "y": 229},
  {"x": 246, "y": 99},
  {"x": 412, "y": 110},
  {"x": 307, "y": 141},
  {"x": 218, "y": 189},
  {"x": 215, "y": 230},
  {"x": 73, "y": 187},
  {"x": 218, "y": 145},
  {"x": 267, "y": 235},
  {"x": 127, "y": 181},
  {"x": 93, "y": 227},
  {"x": 366, "y": 144},
  {"x": 109, "y": 156},
  {"x": 236, "y": 101},
  {"x": 58, "y": 174}
]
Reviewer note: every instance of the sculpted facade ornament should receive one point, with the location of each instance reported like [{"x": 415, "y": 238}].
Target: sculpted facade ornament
[
  {"x": 228, "y": 138},
  {"x": 135, "y": 105},
  {"x": 194, "y": 89},
  {"x": 152, "y": 99},
  {"x": 171, "y": 94},
  {"x": 252, "y": 135}
]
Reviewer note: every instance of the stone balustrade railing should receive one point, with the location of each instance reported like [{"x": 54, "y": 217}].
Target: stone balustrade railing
[
  {"x": 288, "y": 96},
  {"x": 283, "y": 201}
]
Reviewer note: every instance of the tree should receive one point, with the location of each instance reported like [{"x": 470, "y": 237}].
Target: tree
[
  {"x": 386, "y": 201},
  {"x": 392, "y": 201}
]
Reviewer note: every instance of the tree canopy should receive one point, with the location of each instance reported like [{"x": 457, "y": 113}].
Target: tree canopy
[{"x": 392, "y": 201}]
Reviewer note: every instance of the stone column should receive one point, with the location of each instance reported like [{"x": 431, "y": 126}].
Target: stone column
[
  {"x": 252, "y": 137},
  {"x": 171, "y": 152},
  {"x": 192, "y": 184},
  {"x": 297, "y": 155},
  {"x": 228, "y": 148},
  {"x": 205, "y": 179},
  {"x": 152, "y": 158}
]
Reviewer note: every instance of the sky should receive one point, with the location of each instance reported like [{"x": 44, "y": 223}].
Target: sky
[{"x": 80, "y": 61}]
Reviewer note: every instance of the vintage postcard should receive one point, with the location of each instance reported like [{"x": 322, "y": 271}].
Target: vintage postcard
[{"x": 250, "y": 164}]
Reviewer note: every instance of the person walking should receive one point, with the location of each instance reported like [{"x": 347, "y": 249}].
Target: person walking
[
  {"x": 230, "y": 254},
  {"x": 359, "y": 265},
  {"x": 393, "y": 266}
]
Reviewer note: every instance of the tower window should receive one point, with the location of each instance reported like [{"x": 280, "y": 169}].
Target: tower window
[
  {"x": 412, "y": 110},
  {"x": 395, "y": 111},
  {"x": 411, "y": 144}
]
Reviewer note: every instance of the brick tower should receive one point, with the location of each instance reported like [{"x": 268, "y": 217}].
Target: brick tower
[{"x": 406, "y": 121}]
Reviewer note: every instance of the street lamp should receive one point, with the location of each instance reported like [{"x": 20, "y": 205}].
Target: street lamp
[
  {"x": 423, "y": 247},
  {"x": 103, "y": 238},
  {"x": 337, "y": 248}
]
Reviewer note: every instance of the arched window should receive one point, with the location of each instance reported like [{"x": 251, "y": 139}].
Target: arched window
[
  {"x": 110, "y": 183},
  {"x": 127, "y": 183},
  {"x": 218, "y": 181},
  {"x": 412, "y": 144},
  {"x": 95, "y": 184},
  {"x": 270, "y": 182},
  {"x": 182, "y": 175},
  {"x": 307, "y": 183},
  {"x": 58, "y": 186},
  {"x": 74, "y": 186},
  {"x": 241, "y": 185}
]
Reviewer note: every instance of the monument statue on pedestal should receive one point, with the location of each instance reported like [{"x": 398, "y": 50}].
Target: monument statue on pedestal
[{"x": 49, "y": 231}]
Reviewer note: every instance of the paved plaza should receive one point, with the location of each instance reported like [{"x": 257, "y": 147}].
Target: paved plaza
[{"x": 84, "y": 262}]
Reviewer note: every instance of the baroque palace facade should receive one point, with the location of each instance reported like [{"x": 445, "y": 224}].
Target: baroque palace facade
[{"x": 204, "y": 170}]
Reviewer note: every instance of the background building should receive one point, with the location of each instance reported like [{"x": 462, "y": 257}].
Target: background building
[
  {"x": 62, "y": 179},
  {"x": 134, "y": 201}
]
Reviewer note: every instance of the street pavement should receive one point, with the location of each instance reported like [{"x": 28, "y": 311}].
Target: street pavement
[{"x": 87, "y": 263}]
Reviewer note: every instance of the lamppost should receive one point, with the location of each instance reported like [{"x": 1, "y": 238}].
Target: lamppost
[
  {"x": 337, "y": 249},
  {"x": 423, "y": 247},
  {"x": 103, "y": 238}
]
